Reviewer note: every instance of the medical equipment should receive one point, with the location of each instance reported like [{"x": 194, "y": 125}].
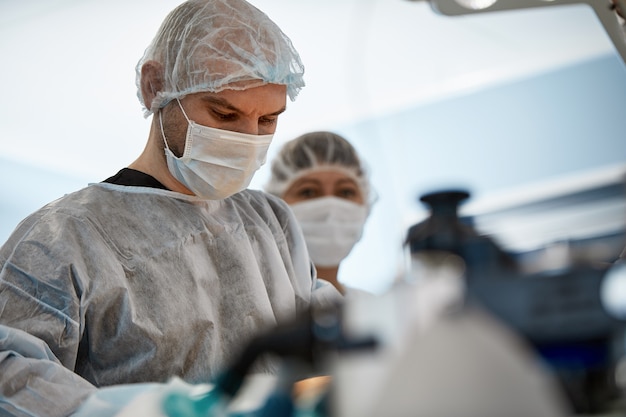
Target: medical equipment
[
  {"x": 302, "y": 343},
  {"x": 405, "y": 376},
  {"x": 559, "y": 312}
]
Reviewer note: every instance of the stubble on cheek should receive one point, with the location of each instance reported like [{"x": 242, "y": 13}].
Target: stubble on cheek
[{"x": 174, "y": 128}]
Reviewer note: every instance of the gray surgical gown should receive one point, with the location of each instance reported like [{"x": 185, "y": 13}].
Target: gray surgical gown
[{"x": 116, "y": 285}]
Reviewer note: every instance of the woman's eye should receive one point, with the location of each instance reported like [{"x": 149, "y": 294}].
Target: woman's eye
[
  {"x": 347, "y": 193},
  {"x": 307, "y": 193}
]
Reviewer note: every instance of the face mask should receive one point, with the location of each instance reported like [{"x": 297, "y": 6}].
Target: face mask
[
  {"x": 216, "y": 163},
  {"x": 331, "y": 227}
]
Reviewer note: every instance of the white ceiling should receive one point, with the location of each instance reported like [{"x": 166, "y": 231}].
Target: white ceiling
[{"x": 68, "y": 66}]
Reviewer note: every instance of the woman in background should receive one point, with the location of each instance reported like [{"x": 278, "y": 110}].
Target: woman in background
[{"x": 322, "y": 178}]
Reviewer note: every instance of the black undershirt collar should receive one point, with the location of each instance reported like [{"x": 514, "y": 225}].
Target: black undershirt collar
[{"x": 132, "y": 177}]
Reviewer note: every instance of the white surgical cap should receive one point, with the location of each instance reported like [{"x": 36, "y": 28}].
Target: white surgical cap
[
  {"x": 213, "y": 45},
  {"x": 317, "y": 151}
]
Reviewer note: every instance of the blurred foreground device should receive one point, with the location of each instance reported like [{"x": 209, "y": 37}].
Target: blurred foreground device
[{"x": 559, "y": 311}]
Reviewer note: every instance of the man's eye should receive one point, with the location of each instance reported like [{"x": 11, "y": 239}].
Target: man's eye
[
  {"x": 268, "y": 121},
  {"x": 225, "y": 116}
]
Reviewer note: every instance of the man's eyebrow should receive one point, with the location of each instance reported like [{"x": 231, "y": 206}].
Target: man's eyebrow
[
  {"x": 227, "y": 105},
  {"x": 276, "y": 113},
  {"x": 220, "y": 102}
]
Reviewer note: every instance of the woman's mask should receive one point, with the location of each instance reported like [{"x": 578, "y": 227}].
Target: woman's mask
[{"x": 331, "y": 227}]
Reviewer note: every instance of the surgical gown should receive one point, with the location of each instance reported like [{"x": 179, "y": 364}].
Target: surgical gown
[{"x": 118, "y": 284}]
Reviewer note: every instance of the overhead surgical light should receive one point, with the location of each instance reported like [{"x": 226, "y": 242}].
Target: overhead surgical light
[
  {"x": 605, "y": 10},
  {"x": 476, "y": 4}
]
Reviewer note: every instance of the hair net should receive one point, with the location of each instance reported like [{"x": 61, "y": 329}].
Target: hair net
[
  {"x": 213, "y": 45},
  {"x": 316, "y": 151}
]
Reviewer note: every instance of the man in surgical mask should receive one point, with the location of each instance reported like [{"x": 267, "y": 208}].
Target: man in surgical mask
[
  {"x": 168, "y": 268},
  {"x": 322, "y": 178}
]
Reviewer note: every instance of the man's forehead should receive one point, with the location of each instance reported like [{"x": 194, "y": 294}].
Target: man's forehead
[{"x": 271, "y": 97}]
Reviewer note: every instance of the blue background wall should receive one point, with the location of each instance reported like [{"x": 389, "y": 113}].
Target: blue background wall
[{"x": 554, "y": 125}]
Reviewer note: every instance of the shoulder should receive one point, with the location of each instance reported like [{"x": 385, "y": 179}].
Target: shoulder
[
  {"x": 75, "y": 214},
  {"x": 265, "y": 203},
  {"x": 262, "y": 197},
  {"x": 55, "y": 216},
  {"x": 273, "y": 212}
]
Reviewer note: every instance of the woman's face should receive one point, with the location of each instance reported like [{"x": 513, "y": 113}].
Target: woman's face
[{"x": 324, "y": 183}]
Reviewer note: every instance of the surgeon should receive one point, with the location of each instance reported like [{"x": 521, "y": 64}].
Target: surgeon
[
  {"x": 322, "y": 178},
  {"x": 170, "y": 266}
]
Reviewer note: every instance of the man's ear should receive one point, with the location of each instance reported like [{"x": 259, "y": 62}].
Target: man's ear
[{"x": 151, "y": 81}]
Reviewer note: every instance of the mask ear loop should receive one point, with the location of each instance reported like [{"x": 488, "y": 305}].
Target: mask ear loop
[
  {"x": 161, "y": 123},
  {"x": 163, "y": 132},
  {"x": 187, "y": 142},
  {"x": 183, "y": 110}
]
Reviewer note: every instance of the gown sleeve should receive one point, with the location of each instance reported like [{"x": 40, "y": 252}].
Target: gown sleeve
[
  {"x": 32, "y": 380},
  {"x": 40, "y": 328}
]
